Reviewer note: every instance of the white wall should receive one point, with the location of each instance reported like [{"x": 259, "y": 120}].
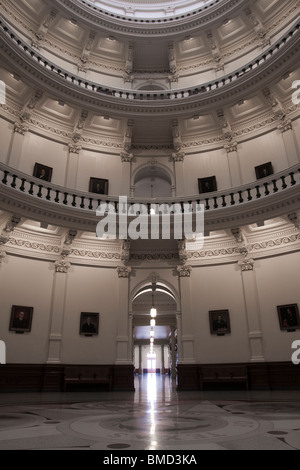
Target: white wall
[{"x": 30, "y": 282}]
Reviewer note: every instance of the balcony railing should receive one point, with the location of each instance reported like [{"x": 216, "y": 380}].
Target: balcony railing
[
  {"x": 135, "y": 94},
  {"x": 89, "y": 202}
]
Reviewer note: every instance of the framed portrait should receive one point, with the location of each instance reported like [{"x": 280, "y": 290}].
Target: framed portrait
[
  {"x": 98, "y": 186},
  {"x": 288, "y": 317},
  {"x": 89, "y": 324},
  {"x": 207, "y": 185},
  {"x": 219, "y": 322},
  {"x": 262, "y": 171},
  {"x": 20, "y": 319},
  {"x": 42, "y": 172}
]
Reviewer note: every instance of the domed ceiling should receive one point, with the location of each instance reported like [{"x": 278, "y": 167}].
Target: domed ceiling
[{"x": 152, "y": 9}]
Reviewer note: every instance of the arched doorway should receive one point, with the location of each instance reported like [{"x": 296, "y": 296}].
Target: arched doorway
[
  {"x": 152, "y": 181},
  {"x": 160, "y": 356}
]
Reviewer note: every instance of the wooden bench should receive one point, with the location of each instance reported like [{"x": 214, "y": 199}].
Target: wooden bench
[
  {"x": 87, "y": 375},
  {"x": 224, "y": 374}
]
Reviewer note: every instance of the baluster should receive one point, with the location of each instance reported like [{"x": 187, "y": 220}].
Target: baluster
[
  {"x": 116, "y": 207},
  {"x": 216, "y": 202},
  {"x": 284, "y": 185},
  {"x": 39, "y": 194},
  {"x": 82, "y": 202},
  {"x": 207, "y": 207},
  {"x": 48, "y": 197},
  {"x": 182, "y": 207},
  {"x": 224, "y": 201},
  {"x": 91, "y": 203},
  {"x": 107, "y": 209},
  {"x": 22, "y": 187},
  {"x": 13, "y": 183},
  {"x": 190, "y": 206},
  {"x": 232, "y": 202},
  {"x": 74, "y": 200},
  {"x": 258, "y": 195},
  {"x": 31, "y": 188},
  {"x": 65, "y": 201},
  {"x": 293, "y": 181},
  {"x": 275, "y": 189},
  {"x": 267, "y": 192},
  {"x": 241, "y": 200},
  {"x": 249, "y": 198},
  {"x": 6, "y": 173},
  {"x": 57, "y": 196}
]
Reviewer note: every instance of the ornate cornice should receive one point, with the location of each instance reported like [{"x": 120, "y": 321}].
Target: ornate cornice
[
  {"x": 124, "y": 27},
  {"x": 252, "y": 81}
]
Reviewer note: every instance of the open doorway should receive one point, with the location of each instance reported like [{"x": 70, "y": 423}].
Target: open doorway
[{"x": 154, "y": 338}]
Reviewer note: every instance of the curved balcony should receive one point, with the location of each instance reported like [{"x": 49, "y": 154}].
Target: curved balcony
[
  {"x": 274, "y": 196},
  {"x": 285, "y": 48},
  {"x": 171, "y": 26}
]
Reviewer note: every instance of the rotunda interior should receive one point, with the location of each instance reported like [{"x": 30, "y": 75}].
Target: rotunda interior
[{"x": 131, "y": 116}]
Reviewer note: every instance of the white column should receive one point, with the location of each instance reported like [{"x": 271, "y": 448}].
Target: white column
[
  {"x": 187, "y": 334},
  {"x": 173, "y": 351},
  {"x": 162, "y": 358},
  {"x": 253, "y": 310},
  {"x": 126, "y": 159},
  {"x": 179, "y": 175},
  {"x": 179, "y": 336},
  {"x": 234, "y": 165},
  {"x": 290, "y": 143},
  {"x": 72, "y": 166},
  {"x": 124, "y": 329},
  {"x": 57, "y": 312},
  {"x": 15, "y": 154}
]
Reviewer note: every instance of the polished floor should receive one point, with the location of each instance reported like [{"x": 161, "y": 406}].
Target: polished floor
[{"x": 155, "y": 417}]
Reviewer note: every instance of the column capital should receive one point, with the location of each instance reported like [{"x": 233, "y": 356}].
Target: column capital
[
  {"x": 20, "y": 128},
  {"x": 123, "y": 271},
  {"x": 178, "y": 156},
  {"x": 285, "y": 126},
  {"x": 246, "y": 265},
  {"x": 62, "y": 266},
  {"x": 184, "y": 271},
  {"x": 126, "y": 157},
  {"x": 73, "y": 148},
  {"x": 231, "y": 147}
]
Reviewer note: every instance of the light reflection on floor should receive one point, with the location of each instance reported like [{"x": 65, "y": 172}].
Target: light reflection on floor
[{"x": 154, "y": 417}]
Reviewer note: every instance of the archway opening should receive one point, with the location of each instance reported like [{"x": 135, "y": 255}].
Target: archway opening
[
  {"x": 154, "y": 337},
  {"x": 152, "y": 181}
]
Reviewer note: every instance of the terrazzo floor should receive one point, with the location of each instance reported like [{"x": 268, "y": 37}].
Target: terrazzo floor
[{"x": 155, "y": 417}]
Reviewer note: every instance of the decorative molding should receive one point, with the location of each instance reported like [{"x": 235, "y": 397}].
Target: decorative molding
[
  {"x": 246, "y": 265},
  {"x": 62, "y": 266},
  {"x": 178, "y": 157},
  {"x": 123, "y": 271},
  {"x": 20, "y": 128},
  {"x": 126, "y": 157},
  {"x": 184, "y": 271}
]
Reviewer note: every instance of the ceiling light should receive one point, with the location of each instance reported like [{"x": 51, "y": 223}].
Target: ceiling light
[{"x": 152, "y": 322}]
